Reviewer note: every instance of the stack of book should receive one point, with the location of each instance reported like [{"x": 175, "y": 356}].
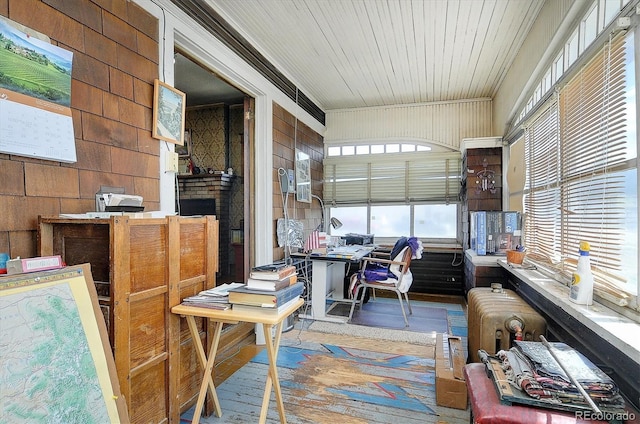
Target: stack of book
[
  {"x": 215, "y": 298},
  {"x": 271, "y": 288}
]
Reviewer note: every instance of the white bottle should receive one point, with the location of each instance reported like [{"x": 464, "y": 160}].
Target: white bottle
[{"x": 582, "y": 280}]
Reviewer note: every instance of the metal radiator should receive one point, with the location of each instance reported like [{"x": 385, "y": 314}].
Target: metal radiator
[{"x": 497, "y": 317}]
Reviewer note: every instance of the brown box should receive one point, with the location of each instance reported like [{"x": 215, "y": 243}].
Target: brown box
[{"x": 451, "y": 388}]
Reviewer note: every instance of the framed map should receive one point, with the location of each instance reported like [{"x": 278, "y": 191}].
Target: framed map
[{"x": 56, "y": 363}]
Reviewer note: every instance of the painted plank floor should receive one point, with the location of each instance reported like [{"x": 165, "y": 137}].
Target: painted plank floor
[{"x": 331, "y": 378}]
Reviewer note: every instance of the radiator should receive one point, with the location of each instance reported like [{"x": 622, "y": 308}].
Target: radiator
[{"x": 497, "y": 317}]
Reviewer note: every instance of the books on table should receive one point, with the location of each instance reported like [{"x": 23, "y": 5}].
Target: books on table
[
  {"x": 214, "y": 298},
  {"x": 246, "y": 296},
  {"x": 271, "y": 285},
  {"x": 272, "y": 272},
  {"x": 239, "y": 307}
]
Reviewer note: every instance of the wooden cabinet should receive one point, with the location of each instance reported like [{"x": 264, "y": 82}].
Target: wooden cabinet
[
  {"x": 481, "y": 271},
  {"x": 476, "y": 196},
  {"x": 142, "y": 267}
]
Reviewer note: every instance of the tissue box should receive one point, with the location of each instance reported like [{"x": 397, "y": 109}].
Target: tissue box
[
  {"x": 451, "y": 388},
  {"x": 43, "y": 263}
]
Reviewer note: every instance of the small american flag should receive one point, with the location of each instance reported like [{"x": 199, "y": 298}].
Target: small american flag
[{"x": 313, "y": 241}]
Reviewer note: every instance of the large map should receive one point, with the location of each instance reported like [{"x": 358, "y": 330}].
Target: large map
[{"x": 47, "y": 372}]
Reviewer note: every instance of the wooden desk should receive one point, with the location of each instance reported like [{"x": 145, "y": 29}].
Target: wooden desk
[{"x": 230, "y": 316}]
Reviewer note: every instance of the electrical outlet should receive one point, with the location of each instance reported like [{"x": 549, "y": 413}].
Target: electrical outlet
[{"x": 171, "y": 162}]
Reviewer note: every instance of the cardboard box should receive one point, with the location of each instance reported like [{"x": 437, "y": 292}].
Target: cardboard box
[{"x": 451, "y": 389}]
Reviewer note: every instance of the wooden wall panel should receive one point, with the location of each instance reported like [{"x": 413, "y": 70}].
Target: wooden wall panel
[{"x": 115, "y": 61}]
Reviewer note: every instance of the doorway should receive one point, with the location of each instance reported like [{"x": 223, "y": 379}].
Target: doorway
[{"x": 216, "y": 164}]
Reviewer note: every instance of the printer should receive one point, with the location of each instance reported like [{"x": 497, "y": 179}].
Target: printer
[{"x": 359, "y": 239}]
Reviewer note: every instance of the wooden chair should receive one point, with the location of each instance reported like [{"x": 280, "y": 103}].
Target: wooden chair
[{"x": 397, "y": 267}]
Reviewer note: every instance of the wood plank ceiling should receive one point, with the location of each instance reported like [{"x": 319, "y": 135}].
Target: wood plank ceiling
[{"x": 361, "y": 53}]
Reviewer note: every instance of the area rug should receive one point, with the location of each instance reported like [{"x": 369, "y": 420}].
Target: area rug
[
  {"x": 382, "y": 318},
  {"x": 323, "y": 383},
  {"x": 386, "y": 313}
]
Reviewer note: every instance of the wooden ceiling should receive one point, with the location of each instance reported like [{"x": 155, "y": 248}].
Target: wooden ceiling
[{"x": 361, "y": 53}]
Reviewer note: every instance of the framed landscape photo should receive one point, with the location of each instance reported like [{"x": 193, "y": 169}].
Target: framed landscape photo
[{"x": 168, "y": 113}]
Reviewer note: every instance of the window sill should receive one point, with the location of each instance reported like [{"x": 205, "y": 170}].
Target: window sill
[{"x": 618, "y": 330}]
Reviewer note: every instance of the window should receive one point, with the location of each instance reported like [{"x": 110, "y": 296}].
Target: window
[
  {"x": 410, "y": 177},
  {"x": 571, "y": 49},
  {"x": 390, "y": 221},
  {"x": 595, "y": 21},
  {"x": 432, "y": 222},
  {"x": 377, "y": 148},
  {"x": 353, "y": 218},
  {"x": 411, "y": 192},
  {"x": 581, "y": 165},
  {"x": 435, "y": 221},
  {"x": 590, "y": 27}
]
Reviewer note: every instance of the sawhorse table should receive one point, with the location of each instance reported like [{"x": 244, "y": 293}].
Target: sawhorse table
[{"x": 268, "y": 320}]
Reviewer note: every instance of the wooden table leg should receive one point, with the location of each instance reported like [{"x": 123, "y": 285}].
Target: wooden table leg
[
  {"x": 272, "y": 346},
  {"x": 207, "y": 365}
]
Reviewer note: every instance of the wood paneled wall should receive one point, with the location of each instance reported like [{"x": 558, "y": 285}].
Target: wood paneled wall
[
  {"x": 285, "y": 142},
  {"x": 115, "y": 61}
]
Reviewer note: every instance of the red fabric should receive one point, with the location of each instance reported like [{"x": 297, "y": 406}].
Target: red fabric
[{"x": 487, "y": 409}]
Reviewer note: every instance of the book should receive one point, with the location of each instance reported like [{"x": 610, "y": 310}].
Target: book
[
  {"x": 214, "y": 298},
  {"x": 240, "y": 307},
  {"x": 209, "y": 305},
  {"x": 245, "y": 296},
  {"x": 269, "y": 272},
  {"x": 271, "y": 285}
]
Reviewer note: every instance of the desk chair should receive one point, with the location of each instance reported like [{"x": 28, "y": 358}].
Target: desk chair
[{"x": 384, "y": 274}]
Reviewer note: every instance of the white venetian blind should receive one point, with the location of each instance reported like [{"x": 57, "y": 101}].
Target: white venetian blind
[
  {"x": 392, "y": 178},
  {"x": 594, "y": 138},
  {"x": 542, "y": 186},
  {"x": 576, "y": 155}
]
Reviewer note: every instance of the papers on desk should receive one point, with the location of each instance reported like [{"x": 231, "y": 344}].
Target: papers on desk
[
  {"x": 215, "y": 298},
  {"x": 350, "y": 252}
]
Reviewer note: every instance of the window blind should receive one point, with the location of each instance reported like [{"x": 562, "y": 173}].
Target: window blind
[
  {"x": 392, "y": 178},
  {"x": 594, "y": 133},
  {"x": 577, "y": 152},
  {"x": 542, "y": 185}
]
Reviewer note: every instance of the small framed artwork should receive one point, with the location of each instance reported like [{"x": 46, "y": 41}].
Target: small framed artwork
[
  {"x": 168, "y": 113},
  {"x": 303, "y": 177},
  {"x": 184, "y": 150}
]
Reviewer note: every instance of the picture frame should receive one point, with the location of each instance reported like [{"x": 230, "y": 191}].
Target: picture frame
[
  {"x": 169, "y": 106},
  {"x": 184, "y": 150},
  {"x": 303, "y": 177},
  {"x": 35, "y": 307}
]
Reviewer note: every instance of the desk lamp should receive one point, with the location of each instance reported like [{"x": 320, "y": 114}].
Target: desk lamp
[{"x": 335, "y": 222}]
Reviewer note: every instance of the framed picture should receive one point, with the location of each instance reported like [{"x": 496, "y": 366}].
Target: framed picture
[
  {"x": 184, "y": 150},
  {"x": 168, "y": 113},
  {"x": 303, "y": 177}
]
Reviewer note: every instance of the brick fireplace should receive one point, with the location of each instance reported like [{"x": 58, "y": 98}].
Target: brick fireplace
[{"x": 215, "y": 186}]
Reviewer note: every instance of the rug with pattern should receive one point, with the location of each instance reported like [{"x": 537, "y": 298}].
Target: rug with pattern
[{"x": 323, "y": 383}]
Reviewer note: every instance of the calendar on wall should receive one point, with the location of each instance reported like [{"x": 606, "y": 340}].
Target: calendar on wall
[{"x": 35, "y": 95}]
